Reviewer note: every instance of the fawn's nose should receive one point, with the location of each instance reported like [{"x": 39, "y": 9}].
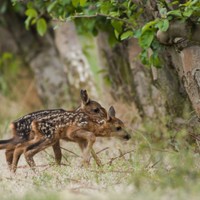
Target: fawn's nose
[{"x": 127, "y": 137}]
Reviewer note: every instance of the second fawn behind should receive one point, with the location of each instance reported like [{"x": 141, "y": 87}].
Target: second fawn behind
[
  {"x": 21, "y": 128},
  {"x": 78, "y": 127}
]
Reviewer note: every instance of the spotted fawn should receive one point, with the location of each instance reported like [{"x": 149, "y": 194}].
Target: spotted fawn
[
  {"x": 72, "y": 126},
  {"x": 22, "y": 133}
]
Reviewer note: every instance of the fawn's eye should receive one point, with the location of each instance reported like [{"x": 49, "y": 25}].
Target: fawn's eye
[
  {"x": 96, "y": 110},
  {"x": 119, "y": 128}
]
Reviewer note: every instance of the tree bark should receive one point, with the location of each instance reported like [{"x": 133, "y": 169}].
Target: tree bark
[
  {"x": 188, "y": 67},
  {"x": 156, "y": 92},
  {"x": 74, "y": 61},
  {"x": 115, "y": 62},
  {"x": 41, "y": 55}
]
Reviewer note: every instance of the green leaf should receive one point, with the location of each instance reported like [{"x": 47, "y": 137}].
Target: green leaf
[
  {"x": 105, "y": 7},
  {"x": 163, "y": 25},
  {"x": 41, "y": 26},
  {"x": 148, "y": 26},
  {"x": 114, "y": 14},
  {"x": 75, "y": 3},
  {"x": 154, "y": 60},
  {"x": 137, "y": 33},
  {"x": 116, "y": 34},
  {"x": 31, "y": 13},
  {"x": 27, "y": 22},
  {"x": 83, "y": 2},
  {"x": 126, "y": 35},
  {"x": 144, "y": 57},
  {"x": 146, "y": 39},
  {"x": 163, "y": 12},
  {"x": 117, "y": 25},
  {"x": 190, "y": 3},
  {"x": 51, "y": 6},
  {"x": 175, "y": 13},
  {"x": 188, "y": 12}
]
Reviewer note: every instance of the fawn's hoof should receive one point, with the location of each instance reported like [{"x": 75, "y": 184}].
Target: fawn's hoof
[{"x": 85, "y": 164}]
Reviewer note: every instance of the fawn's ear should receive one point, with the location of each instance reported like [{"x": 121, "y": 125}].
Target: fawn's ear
[
  {"x": 84, "y": 97},
  {"x": 111, "y": 113}
]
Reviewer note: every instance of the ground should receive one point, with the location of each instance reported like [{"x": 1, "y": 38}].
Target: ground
[
  {"x": 131, "y": 170},
  {"x": 149, "y": 166}
]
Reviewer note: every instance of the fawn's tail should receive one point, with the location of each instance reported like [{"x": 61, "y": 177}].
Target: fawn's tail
[{"x": 4, "y": 144}]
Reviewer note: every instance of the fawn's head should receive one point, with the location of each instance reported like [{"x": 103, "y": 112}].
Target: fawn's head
[
  {"x": 114, "y": 127},
  {"x": 91, "y": 107}
]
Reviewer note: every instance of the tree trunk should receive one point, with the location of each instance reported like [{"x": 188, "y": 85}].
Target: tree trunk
[
  {"x": 58, "y": 63},
  {"x": 74, "y": 61},
  {"x": 156, "y": 92},
  {"x": 115, "y": 62},
  {"x": 188, "y": 67},
  {"x": 41, "y": 55},
  {"x": 49, "y": 73}
]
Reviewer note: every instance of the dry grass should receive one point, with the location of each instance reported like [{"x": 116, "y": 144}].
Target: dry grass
[
  {"x": 138, "y": 169},
  {"x": 146, "y": 171}
]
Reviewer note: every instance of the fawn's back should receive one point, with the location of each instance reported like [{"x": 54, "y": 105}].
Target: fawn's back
[
  {"x": 21, "y": 127},
  {"x": 51, "y": 125},
  {"x": 61, "y": 125}
]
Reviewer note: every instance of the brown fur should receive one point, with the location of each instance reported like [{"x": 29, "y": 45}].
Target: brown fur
[
  {"x": 22, "y": 132},
  {"x": 79, "y": 127}
]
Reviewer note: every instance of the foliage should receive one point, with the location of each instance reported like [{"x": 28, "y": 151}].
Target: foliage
[{"x": 122, "y": 19}]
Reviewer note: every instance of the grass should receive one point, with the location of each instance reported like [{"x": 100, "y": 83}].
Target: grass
[{"x": 139, "y": 169}]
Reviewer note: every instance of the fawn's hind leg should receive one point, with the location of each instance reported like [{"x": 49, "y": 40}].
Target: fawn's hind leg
[
  {"x": 57, "y": 152},
  {"x": 35, "y": 148},
  {"x": 9, "y": 157},
  {"x": 19, "y": 150},
  {"x": 17, "y": 154}
]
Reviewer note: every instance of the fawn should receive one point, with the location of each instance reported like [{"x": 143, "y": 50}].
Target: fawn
[
  {"x": 22, "y": 131},
  {"x": 77, "y": 127}
]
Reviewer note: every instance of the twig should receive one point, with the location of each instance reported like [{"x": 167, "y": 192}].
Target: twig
[
  {"x": 121, "y": 155},
  {"x": 102, "y": 150},
  {"x": 153, "y": 165},
  {"x": 102, "y": 15},
  {"x": 66, "y": 159},
  {"x": 96, "y": 158},
  {"x": 98, "y": 152},
  {"x": 70, "y": 152},
  {"x": 53, "y": 157},
  {"x": 95, "y": 15}
]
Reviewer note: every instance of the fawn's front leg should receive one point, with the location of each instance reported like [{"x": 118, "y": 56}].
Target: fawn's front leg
[
  {"x": 86, "y": 140},
  {"x": 57, "y": 152},
  {"x": 83, "y": 145}
]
